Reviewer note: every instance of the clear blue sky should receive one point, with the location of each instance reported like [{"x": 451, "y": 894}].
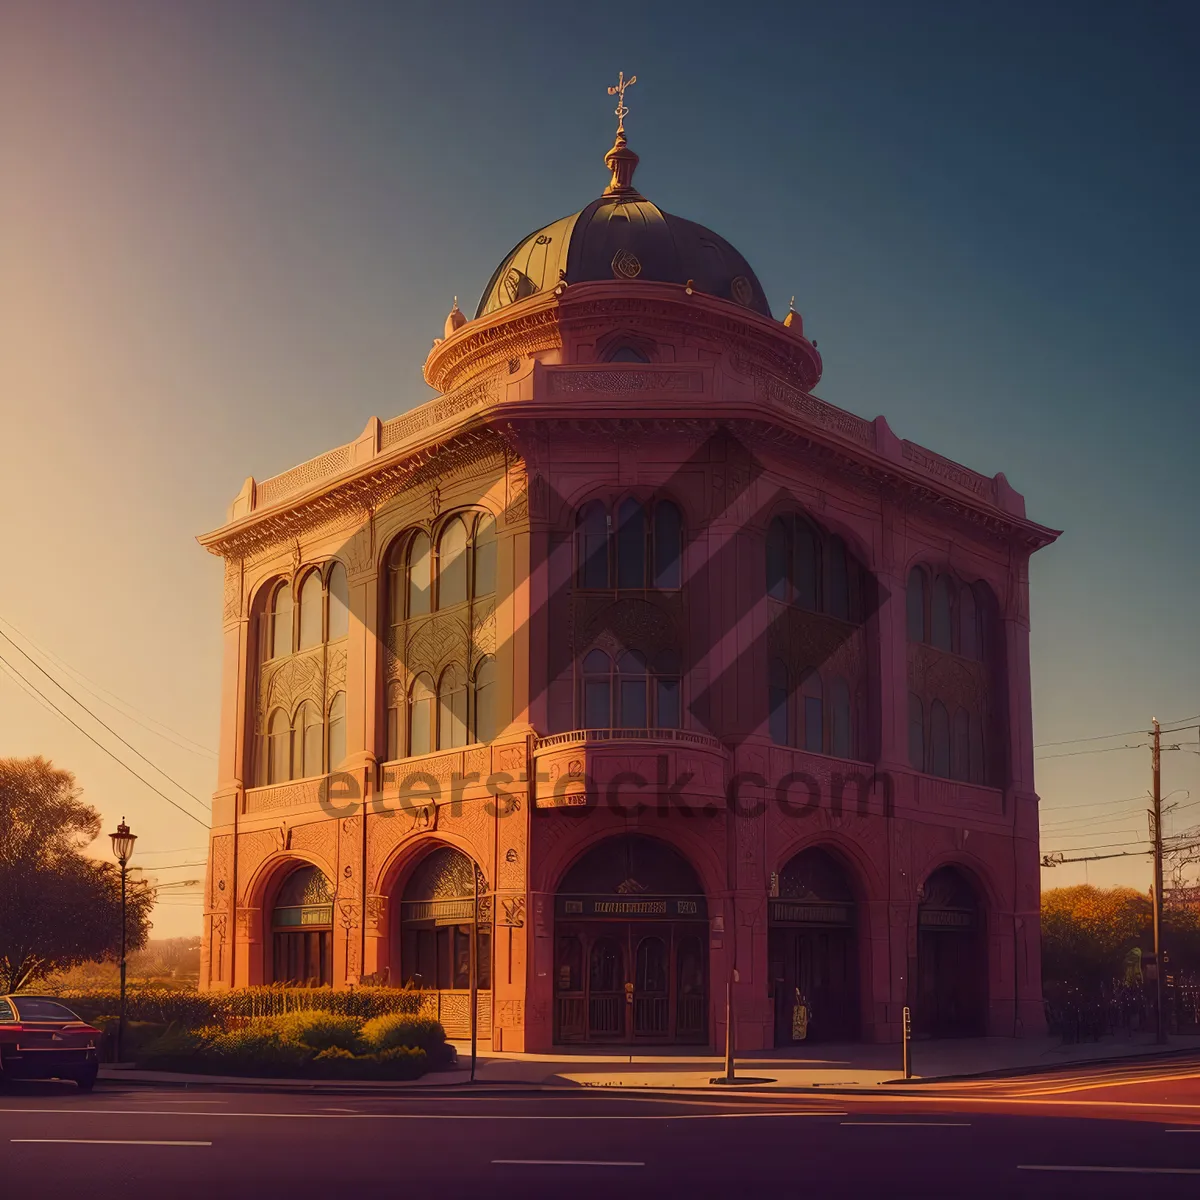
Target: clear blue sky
[{"x": 229, "y": 232}]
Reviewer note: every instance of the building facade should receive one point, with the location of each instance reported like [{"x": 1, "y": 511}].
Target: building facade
[{"x": 636, "y": 668}]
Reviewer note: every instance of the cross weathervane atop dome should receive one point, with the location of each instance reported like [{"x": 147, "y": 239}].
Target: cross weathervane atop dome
[{"x": 620, "y": 160}]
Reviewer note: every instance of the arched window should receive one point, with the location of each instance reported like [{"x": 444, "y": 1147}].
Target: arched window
[
  {"x": 307, "y": 736},
  {"x": 960, "y": 750},
  {"x": 939, "y": 740},
  {"x": 452, "y": 709},
  {"x": 941, "y": 620},
  {"x": 395, "y": 722},
  {"x": 841, "y": 741},
  {"x": 485, "y": 701},
  {"x": 668, "y": 545},
  {"x": 485, "y": 555},
  {"x": 631, "y": 544},
  {"x": 452, "y": 564},
  {"x": 597, "y": 690},
  {"x": 777, "y": 559},
  {"x": 627, "y": 354},
  {"x": 420, "y": 574},
  {"x": 839, "y": 579},
  {"x": 777, "y": 703},
  {"x": 339, "y": 602},
  {"x": 814, "y": 711},
  {"x": 631, "y": 668},
  {"x": 916, "y": 605},
  {"x": 337, "y": 731},
  {"x": 806, "y": 570},
  {"x": 281, "y": 622},
  {"x": 968, "y": 624},
  {"x": 302, "y": 930},
  {"x": 667, "y": 699},
  {"x": 985, "y": 608},
  {"x": 420, "y": 716},
  {"x": 591, "y": 527},
  {"x": 916, "y": 729},
  {"x": 397, "y": 581},
  {"x": 978, "y": 764},
  {"x": 279, "y": 748},
  {"x": 311, "y": 617}
]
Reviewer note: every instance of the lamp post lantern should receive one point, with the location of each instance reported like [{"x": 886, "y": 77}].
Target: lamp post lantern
[{"x": 122, "y": 842}]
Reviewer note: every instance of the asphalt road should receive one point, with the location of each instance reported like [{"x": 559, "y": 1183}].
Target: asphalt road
[{"x": 1097, "y": 1133}]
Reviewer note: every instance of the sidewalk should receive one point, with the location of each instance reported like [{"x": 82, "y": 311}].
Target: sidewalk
[{"x": 851, "y": 1066}]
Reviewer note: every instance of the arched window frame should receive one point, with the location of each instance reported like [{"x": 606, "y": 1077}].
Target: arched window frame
[
  {"x": 483, "y": 556},
  {"x": 779, "y": 703},
  {"x": 452, "y": 708},
  {"x": 335, "y": 732},
  {"x": 422, "y": 707},
  {"x": 394, "y": 702},
  {"x": 485, "y": 691},
  {"x": 938, "y": 754},
  {"x": 281, "y": 623},
  {"x": 596, "y": 690},
  {"x": 277, "y": 748},
  {"x": 418, "y": 589},
  {"x": 310, "y": 601},
  {"x": 916, "y": 598},
  {"x": 593, "y": 557},
  {"x": 445, "y": 562},
  {"x": 308, "y": 741},
  {"x": 337, "y": 607}
]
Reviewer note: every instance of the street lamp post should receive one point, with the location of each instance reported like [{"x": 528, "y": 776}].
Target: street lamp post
[{"x": 122, "y": 842}]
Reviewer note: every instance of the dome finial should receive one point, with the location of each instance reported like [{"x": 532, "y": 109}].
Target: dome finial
[
  {"x": 456, "y": 319},
  {"x": 620, "y": 160}
]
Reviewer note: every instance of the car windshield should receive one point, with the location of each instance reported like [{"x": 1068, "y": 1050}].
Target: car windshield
[{"x": 32, "y": 1009}]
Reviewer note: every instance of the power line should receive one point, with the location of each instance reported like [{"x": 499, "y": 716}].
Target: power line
[
  {"x": 102, "y": 746},
  {"x": 97, "y": 719},
  {"x": 83, "y": 681},
  {"x": 1099, "y": 750},
  {"x": 1103, "y": 737}
]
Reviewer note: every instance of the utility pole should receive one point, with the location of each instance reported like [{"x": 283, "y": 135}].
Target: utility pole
[{"x": 1160, "y": 1028}]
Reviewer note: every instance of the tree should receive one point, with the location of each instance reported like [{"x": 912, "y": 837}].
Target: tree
[
  {"x": 58, "y": 907},
  {"x": 1087, "y": 931}
]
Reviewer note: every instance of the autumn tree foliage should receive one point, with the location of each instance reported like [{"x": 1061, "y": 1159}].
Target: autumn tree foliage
[
  {"x": 58, "y": 906},
  {"x": 1088, "y": 931}
]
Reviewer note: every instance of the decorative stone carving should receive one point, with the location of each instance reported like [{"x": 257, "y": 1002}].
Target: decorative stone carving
[{"x": 232, "y": 605}]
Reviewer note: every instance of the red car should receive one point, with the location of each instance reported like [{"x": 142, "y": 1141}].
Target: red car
[{"x": 42, "y": 1039}]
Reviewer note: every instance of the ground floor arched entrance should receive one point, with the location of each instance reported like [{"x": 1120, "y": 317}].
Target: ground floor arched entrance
[
  {"x": 813, "y": 951},
  {"x": 302, "y": 930},
  {"x": 951, "y": 961},
  {"x": 631, "y": 947}
]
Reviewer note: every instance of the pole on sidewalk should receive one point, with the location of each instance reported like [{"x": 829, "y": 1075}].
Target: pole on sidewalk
[
  {"x": 729, "y": 1068},
  {"x": 905, "y": 1040},
  {"x": 474, "y": 976},
  {"x": 1160, "y": 1026}
]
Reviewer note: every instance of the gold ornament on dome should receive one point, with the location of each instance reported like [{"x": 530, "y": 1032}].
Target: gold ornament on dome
[
  {"x": 619, "y": 91},
  {"x": 626, "y": 265}
]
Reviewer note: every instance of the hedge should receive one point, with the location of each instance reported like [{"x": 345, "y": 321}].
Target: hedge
[{"x": 195, "y": 1010}]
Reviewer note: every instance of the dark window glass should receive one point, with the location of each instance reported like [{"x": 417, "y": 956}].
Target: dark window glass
[
  {"x": 916, "y": 605},
  {"x": 777, "y": 699},
  {"x": 668, "y": 545},
  {"x": 631, "y": 545},
  {"x": 631, "y": 668},
  {"x": 968, "y": 624},
  {"x": 839, "y": 579},
  {"x": 592, "y": 531},
  {"x": 777, "y": 559},
  {"x": 807, "y": 570},
  {"x": 941, "y": 627},
  {"x": 939, "y": 740},
  {"x": 452, "y": 564},
  {"x": 814, "y": 713},
  {"x": 420, "y": 574},
  {"x": 960, "y": 752},
  {"x": 667, "y": 697},
  {"x": 31, "y": 1009},
  {"x": 597, "y": 691},
  {"x": 627, "y": 354},
  {"x": 916, "y": 732},
  {"x": 485, "y": 555},
  {"x": 841, "y": 741},
  {"x": 978, "y": 765}
]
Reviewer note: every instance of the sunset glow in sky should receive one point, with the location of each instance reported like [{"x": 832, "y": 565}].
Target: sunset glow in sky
[{"x": 229, "y": 232}]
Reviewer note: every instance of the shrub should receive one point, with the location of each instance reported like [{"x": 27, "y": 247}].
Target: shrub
[
  {"x": 320, "y": 1030},
  {"x": 397, "y": 1030},
  {"x": 401, "y": 1062}
]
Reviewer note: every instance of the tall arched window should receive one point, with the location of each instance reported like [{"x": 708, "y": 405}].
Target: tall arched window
[
  {"x": 421, "y": 716},
  {"x": 312, "y": 604},
  {"x": 485, "y": 555},
  {"x": 806, "y": 570},
  {"x": 939, "y": 740},
  {"x": 839, "y": 579},
  {"x": 978, "y": 764},
  {"x": 281, "y": 622},
  {"x": 336, "y": 735},
  {"x": 778, "y": 544},
  {"x": 841, "y": 741},
  {"x": 814, "y": 712},
  {"x": 777, "y": 703},
  {"x": 397, "y": 578},
  {"x": 968, "y": 624},
  {"x": 452, "y": 564},
  {"x": 960, "y": 751},
  {"x": 279, "y": 748},
  {"x": 668, "y": 545},
  {"x": 631, "y": 544},
  {"x": 307, "y": 736},
  {"x": 302, "y": 930},
  {"x": 941, "y": 620},
  {"x": 485, "y": 701},
  {"x": 916, "y": 732},
  {"x": 420, "y": 575},
  {"x": 916, "y": 605},
  {"x": 597, "y": 690},
  {"x": 452, "y": 709},
  {"x": 591, "y": 526},
  {"x": 631, "y": 668},
  {"x": 667, "y": 699},
  {"x": 339, "y": 602},
  {"x": 395, "y": 722}
]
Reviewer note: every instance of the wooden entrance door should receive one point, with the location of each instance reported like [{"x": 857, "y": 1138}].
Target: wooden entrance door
[
  {"x": 820, "y": 965},
  {"x": 949, "y": 995}
]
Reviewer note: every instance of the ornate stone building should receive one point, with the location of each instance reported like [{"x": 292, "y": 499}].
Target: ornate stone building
[{"x": 632, "y": 663}]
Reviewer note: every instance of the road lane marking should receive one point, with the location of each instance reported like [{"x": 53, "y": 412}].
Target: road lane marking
[
  {"x": 1117, "y": 1170},
  {"x": 361, "y": 1116},
  {"x": 561, "y": 1162},
  {"x": 107, "y": 1142},
  {"x": 1194, "y": 1129},
  {"x": 1077, "y": 1085},
  {"x": 909, "y": 1124}
]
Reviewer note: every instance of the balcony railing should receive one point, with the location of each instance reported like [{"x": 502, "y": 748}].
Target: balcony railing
[{"x": 576, "y": 736}]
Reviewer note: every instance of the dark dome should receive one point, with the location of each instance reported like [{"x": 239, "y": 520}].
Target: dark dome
[{"x": 627, "y": 238}]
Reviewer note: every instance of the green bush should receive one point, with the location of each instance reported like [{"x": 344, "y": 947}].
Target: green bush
[
  {"x": 320, "y": 1030},
  {"x": 401, "y": 1062},
  {"x": 397, "y": 1029}
]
